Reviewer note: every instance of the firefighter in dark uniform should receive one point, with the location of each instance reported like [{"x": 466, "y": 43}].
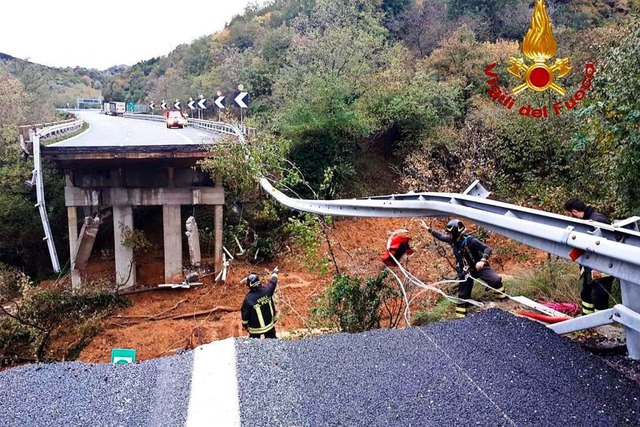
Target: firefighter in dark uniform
[
  {"x": 596, "y": 285},
  {"x": 258, "y": 310},
  {"x": 471, "y": 257}
]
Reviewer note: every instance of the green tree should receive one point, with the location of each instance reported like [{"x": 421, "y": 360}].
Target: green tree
[
  {"x": 613, "y": 118},
  {"x": 333, "y": 56},
  {"x": 20, "y": 226}
]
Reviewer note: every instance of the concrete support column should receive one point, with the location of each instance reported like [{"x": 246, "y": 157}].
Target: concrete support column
[
  {"x": 125, "y": 267},
  {"x": 193, "y": 238},
  {"x": 217, "y": 227},
  {"x": 72, "y": 216},
  {"x": 217, "y": 230},
  {"x": 172, "y": 243}
]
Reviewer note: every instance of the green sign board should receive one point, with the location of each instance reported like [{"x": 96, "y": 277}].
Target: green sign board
[
  {"x": 122, "y": 356},
  {"x": 132, "y": 106}
]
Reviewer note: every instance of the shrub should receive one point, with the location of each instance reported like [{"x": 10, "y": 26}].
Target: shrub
[
  {"x": 30, "y": 315},
  {"x": 305, "y": 231},
  {"x": 354, "y": 305}
]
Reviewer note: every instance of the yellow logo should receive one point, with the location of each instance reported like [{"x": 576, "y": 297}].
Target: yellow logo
[{"x": 539, "y": 45}]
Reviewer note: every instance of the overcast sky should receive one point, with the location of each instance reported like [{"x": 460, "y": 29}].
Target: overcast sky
[{"x": 99, "y": 34}]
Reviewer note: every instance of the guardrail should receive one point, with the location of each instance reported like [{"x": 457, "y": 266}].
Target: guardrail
[
  {"x": 24, "y": 130},
  {"x": 35, "y": 136},
  {"x": 613, "y": 249},
  {"x": 60, "y": 129},
  {"x": 219, "y": 127}
]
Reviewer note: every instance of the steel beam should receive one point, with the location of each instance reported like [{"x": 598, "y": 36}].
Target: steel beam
[
  {"x": 613, "y": 249},
  {"x": 39, "y": 183}
]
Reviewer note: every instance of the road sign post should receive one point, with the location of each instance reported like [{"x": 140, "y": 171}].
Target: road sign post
[
  {"x": 220, "y": 104},
  {"x": 241, "y": 101}
]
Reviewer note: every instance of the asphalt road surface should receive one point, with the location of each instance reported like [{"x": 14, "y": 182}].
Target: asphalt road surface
[
  {"x": 490, "y": 369},
  {"x": 112, "y": 131}
]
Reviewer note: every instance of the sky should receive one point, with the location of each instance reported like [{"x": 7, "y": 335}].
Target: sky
[{"x": 100, "y": 34}]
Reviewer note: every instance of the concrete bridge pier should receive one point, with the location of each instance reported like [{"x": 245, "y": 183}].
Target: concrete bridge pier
[
  {"x": 124, "y": 178},
  {"x": 217, "y": 227},
  {"x": 125, "y": 264},
  {"x": 72, "y": 215},
  {"x": 172, "y": 228}
]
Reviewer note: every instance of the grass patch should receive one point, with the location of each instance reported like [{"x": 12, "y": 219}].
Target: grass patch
[
  {"x": 555, "y": 280},
  {"x": 442, "y": 310}
]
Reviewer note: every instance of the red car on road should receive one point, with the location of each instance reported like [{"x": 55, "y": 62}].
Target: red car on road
[{"x": 175, "y": 119}]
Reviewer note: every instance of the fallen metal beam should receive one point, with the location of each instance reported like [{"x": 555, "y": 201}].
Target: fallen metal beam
[
  {"x": 86, "y": 239},
  {"x": 38, "y": 181}
]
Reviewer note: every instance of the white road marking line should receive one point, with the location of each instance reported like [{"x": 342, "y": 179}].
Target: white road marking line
[{"x": 214, "y": 386}]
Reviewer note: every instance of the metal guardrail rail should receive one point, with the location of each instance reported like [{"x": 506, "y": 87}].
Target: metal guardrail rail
[
  {"x": 38, "y": 182},
  {"x": 220, "y": 127},
  {"x": 613, "y": 249}
]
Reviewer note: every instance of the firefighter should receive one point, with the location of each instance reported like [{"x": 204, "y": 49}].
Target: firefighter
[
  {"x": 596, "y": 286},
  {"x": 258, "y": 310},
  {"x": 471, "y": 258}
]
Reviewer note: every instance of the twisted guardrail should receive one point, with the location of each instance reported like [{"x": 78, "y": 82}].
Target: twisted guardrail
[
  {"x": 613, "y": 249},
  {"x": 53, "y": 131}
]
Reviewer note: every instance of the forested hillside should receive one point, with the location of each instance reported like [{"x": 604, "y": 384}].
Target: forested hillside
[
  {"x": 404, "y": 82},
  {"x": 361, "y": 97},
  {"x": 54, "y": 87},
  {"x": 365, "y": 97}
]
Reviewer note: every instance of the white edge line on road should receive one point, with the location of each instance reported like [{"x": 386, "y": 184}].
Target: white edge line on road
[{"x": 214, "y": 386}]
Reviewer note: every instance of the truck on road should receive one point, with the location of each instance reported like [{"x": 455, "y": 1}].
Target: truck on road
[{"x": 116, "y": 108}]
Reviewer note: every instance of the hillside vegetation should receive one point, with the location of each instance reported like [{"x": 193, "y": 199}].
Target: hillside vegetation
[
  {"x": 363, "y": 97},
  {"x": 404, "y": 81}
]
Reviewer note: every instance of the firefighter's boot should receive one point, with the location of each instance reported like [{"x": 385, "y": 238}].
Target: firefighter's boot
[
  {"x": 461, "y": 311},
  {"x": 587, "y": 308},
  {"x": 500, "y": 293}
]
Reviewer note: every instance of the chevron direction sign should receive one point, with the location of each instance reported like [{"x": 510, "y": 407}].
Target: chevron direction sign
[
  {"x": 242, "y": 99},
  {"x": 220, "y": 102}
]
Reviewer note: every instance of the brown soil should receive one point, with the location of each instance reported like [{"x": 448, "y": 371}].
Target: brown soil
[{"x": 162, "y": 322}]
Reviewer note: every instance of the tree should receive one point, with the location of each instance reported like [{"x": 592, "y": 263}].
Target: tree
[
  {"x": 613, "y": 116},
  {"x": 423, "y": 27},
  {"x": 332, "y": 59}
]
